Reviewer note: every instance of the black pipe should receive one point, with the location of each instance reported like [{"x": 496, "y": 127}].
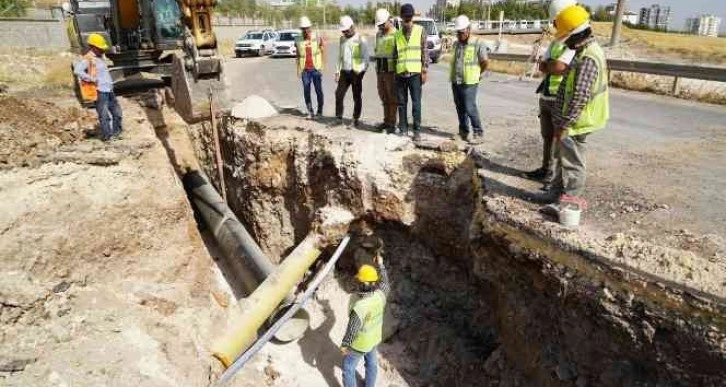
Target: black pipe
[{"x": 243, "y": 254}]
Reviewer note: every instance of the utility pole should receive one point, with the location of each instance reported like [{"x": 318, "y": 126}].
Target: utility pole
[{"x": 617, "y": 24}]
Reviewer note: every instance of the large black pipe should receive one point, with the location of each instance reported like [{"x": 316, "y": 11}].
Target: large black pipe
[{"x": 242, "y": 253}]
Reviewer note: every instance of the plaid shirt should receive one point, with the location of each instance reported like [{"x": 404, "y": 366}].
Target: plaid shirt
[
  {"x": 355, "y": 323},
  {"x": 586, "y": 73}
]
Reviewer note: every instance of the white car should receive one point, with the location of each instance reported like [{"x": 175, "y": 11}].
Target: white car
[
  {"x": 285, "y": 43},
  {"x": 255, "y": 43}
]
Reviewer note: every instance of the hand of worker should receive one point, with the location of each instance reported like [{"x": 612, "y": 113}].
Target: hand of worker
[
  {"x": 558, "y": 134},
  {"x": 379, "y": 260},
  {"x": 423, "y": 77},
  {"x": 344, "y": 351},
  {"x": 337, "y": 77}
]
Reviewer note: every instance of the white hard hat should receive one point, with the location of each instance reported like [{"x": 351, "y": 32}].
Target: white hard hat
[
  {"x": 382, "y": 16},
  {"x": 557, "y": 6},
  {"x": 305, "y": 22},
  {"x": 461, "y": 23},
  {"x": 345, "y": 23}
]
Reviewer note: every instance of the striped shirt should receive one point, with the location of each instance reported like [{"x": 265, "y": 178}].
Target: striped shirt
[
  {"x": 354, "y": 322},
  {"x": 586, "y": 73}
]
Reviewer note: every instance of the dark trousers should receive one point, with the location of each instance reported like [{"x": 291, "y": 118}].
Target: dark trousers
[
  {"x": 316, "y": 79},
  {"x": 547, "y": 130},
  {"x": 466, "y": 109},
  {"x": 406, "y": 85},
  {"x": 387, "y": 93},
  {"x": 346, "y": 80},
  {"x": 109, "y": 114},
  {"x": 570, "y": 170}
]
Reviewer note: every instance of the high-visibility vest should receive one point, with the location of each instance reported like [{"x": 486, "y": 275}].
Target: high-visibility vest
[
  {"x": 472, "y": 68},
  {"x": 355, "y": 43},
  {"x": 370, "y": 311},
  {"x": 557, "y": 48},
  {"x": 597, "y": 111},
  {"x": 89, "y": 90},
  {"x": 385, "y": 44},
  {"x": 409, "y": 52},
  {"x": 301, "y": 44}
]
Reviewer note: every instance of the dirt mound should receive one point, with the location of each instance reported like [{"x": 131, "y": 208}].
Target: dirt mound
[{"x": 32, "y": 128}]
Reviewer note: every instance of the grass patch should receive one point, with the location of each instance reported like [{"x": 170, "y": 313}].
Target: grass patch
[
  {"x": 690, "y": 47},
  {"x": 32, "y": 68},
  {"x": 662, "y": 86}
]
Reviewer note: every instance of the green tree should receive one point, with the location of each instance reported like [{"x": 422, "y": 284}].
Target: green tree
[{"x": 13, "y": 8}]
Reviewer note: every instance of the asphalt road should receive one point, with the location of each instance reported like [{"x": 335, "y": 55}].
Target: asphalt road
[{"x": 657, "y": 169}]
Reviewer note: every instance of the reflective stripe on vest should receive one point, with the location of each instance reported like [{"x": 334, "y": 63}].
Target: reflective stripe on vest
[
  {"x": 471, "y": 66},
  {"x": 301, "y": 44},
  {"x": 597, "y": 111},
  {"x": 370, "y": 311},
  {"x": 89, "y": 90},
  {"x": 385, "y": 44},
  {"x": 409, "y": 52},
  {"x": 557, "y": 48}
]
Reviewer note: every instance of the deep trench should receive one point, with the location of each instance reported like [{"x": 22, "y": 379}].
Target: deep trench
[{"x": 475, "y": 303}]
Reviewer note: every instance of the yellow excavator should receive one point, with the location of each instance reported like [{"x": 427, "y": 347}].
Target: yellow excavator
[{"x": 170, "y": 38}]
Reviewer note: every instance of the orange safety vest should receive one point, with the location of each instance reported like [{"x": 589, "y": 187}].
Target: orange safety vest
[{"x": 89, "y": 90}]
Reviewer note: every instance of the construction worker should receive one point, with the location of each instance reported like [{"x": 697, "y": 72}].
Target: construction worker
[
  {"x": 468, "y": 64},
  {"x": 96, "y": 86},
  {"x": 310, "y": 64},
  {"x": 556, "y": 61},
  {"x": 365, "y": 327},
  {"x": 582, "y": 105},
  {"x": 386, "y": 69},
  {"x": 352, "y": 64},
  {"x": 412, "y": 58}
]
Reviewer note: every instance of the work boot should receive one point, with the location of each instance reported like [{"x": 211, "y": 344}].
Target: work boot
[
  {"x": 464, "y": 137},
  {"x": 382, "y": 127},
  {"x": 356, "y": 124},
  {"x": 416, "y": 137},
  {"x": 339, "y": 121},
  {"x": 547, "y": 186},
  {"x": 538, "y": 174},
  {"x": 477, "y": 138}
]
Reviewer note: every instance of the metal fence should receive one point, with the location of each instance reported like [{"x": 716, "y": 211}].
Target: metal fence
[{"x": 678, "y": 71}]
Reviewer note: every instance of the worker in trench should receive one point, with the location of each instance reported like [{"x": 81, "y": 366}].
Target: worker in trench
[
  {"x": 581, "y": 107},
  {"x": 96, "y": 86},
  {"x": 365, "y": 326}
]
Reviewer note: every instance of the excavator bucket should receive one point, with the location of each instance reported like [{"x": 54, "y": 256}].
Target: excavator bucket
[{"x": 182, "y": 90}]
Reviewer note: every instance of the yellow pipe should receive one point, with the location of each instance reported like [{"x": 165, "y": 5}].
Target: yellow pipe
[{"x": 265, "y": 299}]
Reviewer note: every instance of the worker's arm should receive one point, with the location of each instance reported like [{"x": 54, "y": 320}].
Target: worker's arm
[
  {"x": 366, "y": 53},
  {"x": 339, "y": 63},
  {"x": 585, "y": 76},
  {"x": 553, "y": 67},
  {"x": 483, "y": 57},
  {"x": 80, "y": 70},
  {"x": 424, "y": 58},
  {"x": 385, "y": 284},
  {"x": 354, "y": 325},
  {"x": 321, "y": 44}
]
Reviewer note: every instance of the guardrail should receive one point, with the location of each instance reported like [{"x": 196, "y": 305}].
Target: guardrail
[{"x": 678, "y": 71}]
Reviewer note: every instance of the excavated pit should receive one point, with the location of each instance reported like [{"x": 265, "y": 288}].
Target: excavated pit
[{"x": 476, "y": 299}]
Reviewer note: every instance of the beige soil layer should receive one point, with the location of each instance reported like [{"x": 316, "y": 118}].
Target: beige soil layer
[{"x": 105, "y": 278}]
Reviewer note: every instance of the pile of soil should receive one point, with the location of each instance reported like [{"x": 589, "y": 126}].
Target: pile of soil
[{"x": 32, "y": 128}]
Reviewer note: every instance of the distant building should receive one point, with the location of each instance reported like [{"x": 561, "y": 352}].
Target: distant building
[
  {"x": 655, "y": 17},
  {"x": 706, "y": 25},
  {"x": 628, "y": 16},
  {"x": 448, "y": 3}
]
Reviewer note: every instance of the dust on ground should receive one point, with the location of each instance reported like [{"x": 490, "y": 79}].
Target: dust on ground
[{"x": 106, "y": 280}]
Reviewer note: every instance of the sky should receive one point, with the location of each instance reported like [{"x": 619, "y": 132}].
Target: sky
[{"x": 680, "y": 9}]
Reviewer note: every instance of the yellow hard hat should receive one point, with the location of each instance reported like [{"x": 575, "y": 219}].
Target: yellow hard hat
[
  {"x": 571, "y": 20},
  {"x": 97, "y": 40},
  {"x": 367, "y": 273}
]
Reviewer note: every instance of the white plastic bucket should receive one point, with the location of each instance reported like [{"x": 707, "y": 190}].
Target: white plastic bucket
[{"x": 569, "y": 215}]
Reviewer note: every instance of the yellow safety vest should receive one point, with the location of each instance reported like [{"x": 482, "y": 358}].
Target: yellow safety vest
[
  {"x": 355, "y": 45},
  {"x": 385, "y": 44},
  {"x": 370, "y": 311},
  {"x": 301, "y": 44},
  {"x": 597, "y": 111},
  {"x": 472, "y": 68},
  {"x": 409, "y": 52},
  {"x": 557, "y": 48}
]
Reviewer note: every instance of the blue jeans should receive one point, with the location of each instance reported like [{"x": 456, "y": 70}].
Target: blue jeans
[
  {"x": 466, "y": 109},
  {"x": 350, "y": 362},
  {"x": 316, "y": 79},
  {"x": 404, "y": 86},
  {"x": 109, "y": 114}
]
